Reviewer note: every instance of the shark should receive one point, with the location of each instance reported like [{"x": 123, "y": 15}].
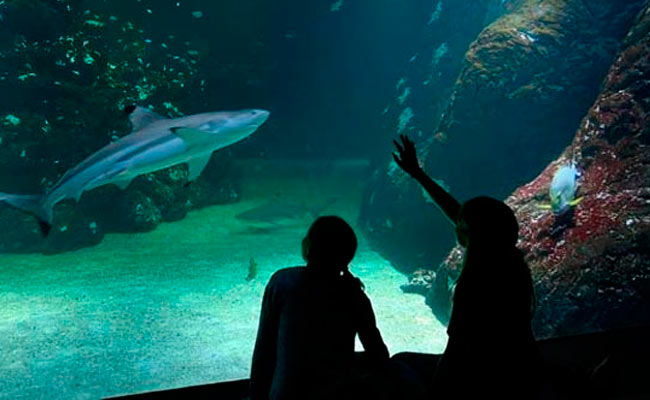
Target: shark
[
  {"x": 280, "y": 212},
  {"x": 155, "y": 142}
]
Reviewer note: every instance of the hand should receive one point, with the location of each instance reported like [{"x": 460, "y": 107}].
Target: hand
[{"x": 406, "y": 156}]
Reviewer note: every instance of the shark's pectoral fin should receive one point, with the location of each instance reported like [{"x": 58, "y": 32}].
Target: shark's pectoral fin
[
  {"x": 191, "y": 136},
  {"x": 196, "y": 166},
  {"x": 141, "y": 117}
]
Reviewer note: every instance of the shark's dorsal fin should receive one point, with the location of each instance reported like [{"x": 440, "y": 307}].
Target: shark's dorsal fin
[{"x": 141, "y": 117}]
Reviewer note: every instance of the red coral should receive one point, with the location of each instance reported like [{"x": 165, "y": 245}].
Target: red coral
[{"x": 603, "y": 170}]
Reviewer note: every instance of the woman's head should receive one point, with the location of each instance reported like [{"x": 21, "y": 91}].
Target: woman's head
[
  {"x": 330, "y": 242},
  {"x": 486, "y": 221}
]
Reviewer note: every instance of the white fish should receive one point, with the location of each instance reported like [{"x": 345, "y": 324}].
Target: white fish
[{"x": 563, "y": 189}]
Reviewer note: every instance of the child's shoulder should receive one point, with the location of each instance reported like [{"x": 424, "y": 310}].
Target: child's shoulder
[{"x": 287, "y": 273}]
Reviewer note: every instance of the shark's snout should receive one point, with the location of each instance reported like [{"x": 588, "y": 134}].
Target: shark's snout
[{"x": 259, "y": 117}]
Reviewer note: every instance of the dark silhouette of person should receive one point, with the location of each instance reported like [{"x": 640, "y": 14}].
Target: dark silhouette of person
[
  {"x": 310, "y": 317},
  {"x": 491, "y": 348}
]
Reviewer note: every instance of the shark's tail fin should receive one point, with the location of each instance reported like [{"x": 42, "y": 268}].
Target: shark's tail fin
[{"x": 32, "y": 204}]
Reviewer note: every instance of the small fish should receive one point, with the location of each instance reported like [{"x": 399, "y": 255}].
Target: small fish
[
  {"x": 441, "y": 137},
  {"x": 336, "y": 6},
  {"x": 94, "y": 23},
  {"x": 252, "y": 270},
  {"x": 563, "y": 189}
]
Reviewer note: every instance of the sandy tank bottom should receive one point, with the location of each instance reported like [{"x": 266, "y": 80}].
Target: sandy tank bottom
[{"x": 172, "y": 307}]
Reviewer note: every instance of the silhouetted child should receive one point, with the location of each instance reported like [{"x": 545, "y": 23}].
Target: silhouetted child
[
  {"x": 310, "y": 317},
  {"x": 491, "y": 349}
]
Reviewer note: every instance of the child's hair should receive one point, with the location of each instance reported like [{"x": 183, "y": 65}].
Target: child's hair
[
  {"x": 330, "y": 242},
  {"x": 490, "y": 221}
]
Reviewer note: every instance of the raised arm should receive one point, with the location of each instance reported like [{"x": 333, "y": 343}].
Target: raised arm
[{"x": 407, "y": 159}]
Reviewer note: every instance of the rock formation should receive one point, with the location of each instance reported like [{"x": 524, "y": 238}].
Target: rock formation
[
  {"x": 420, "y": 96},
  {"x": 526, "y": 81},
  {"x": 591, "y": 265}
]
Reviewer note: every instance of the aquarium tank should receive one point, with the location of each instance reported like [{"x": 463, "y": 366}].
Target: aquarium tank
[{"x": 160, "y": 160}]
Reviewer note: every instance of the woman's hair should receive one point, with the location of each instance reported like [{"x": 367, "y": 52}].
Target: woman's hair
[
  {"x": 490, "y": 222},
  {"x": 330, "y": 243}
]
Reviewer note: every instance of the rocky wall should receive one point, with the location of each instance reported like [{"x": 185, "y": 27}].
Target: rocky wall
[
  {"x": 591, "y": 264},
  {"x": 523, "y": 86},
  {"x": 420, "y": 95}
]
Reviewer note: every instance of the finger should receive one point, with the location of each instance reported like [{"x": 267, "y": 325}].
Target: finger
[
  {"x": 409, "y": 143},
  {"x": 400, "y": 148},
  {"x": 397, "y": 159}
]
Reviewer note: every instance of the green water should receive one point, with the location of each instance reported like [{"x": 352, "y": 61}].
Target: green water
[{"x": 172, "y": 307}]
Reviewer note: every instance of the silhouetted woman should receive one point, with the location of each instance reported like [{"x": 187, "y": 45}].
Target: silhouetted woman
[
  {"x": 491, "y": 348},
  {"x": 310, "y": 317}
]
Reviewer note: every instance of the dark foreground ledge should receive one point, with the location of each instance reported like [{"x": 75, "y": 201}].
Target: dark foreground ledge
[{"x": 605, "y": 365}]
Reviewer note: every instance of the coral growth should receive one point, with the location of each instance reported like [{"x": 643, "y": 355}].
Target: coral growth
[{"x": 420, "y": 281}]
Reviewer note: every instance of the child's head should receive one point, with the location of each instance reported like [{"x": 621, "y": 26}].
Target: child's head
[
  {"x": 330, "y": 242},
  {"x": 486, "y": 221}
]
